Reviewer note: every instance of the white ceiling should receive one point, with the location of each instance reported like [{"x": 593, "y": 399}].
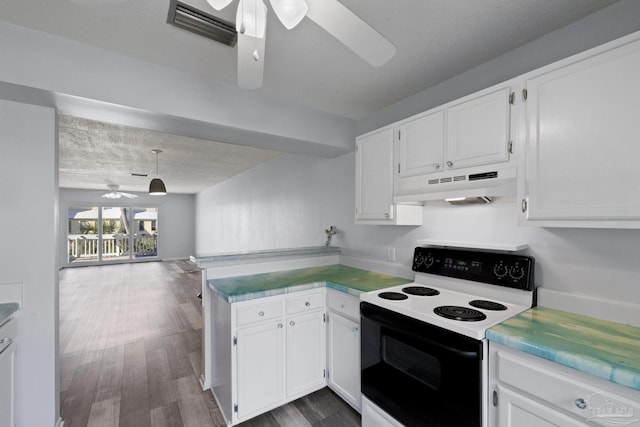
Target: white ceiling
[{"x": 435, "y": 40}]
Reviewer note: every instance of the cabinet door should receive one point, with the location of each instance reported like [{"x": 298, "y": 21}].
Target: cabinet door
[
  {"x": 306, "y": 337},
  {"x": 582, "y": 138},
  {"x": 260, "y": 367},
  {"x": 374, "y": 175},
  {"x": 344, "y": 358},
  {"x": 478, "y": 130},
  {"x": 421, "y": 145},
  {"x": 516, "y": 410}
]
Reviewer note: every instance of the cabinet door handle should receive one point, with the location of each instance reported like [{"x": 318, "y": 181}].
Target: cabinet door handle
[
  {"x": 354, "y": 330},
  {"x": 4, "y": 344},
  {"x": 279, "y": 325},
  {"x": 386, "y": 215},
  {"x": 524, "y": 205},
  {"x": 307, "y": 303},
  {"x": 449, "y": 163},
  {"x": 436, "y": 165},
  {"x": 292, "y": 323},
  {"x": 580, "y": 403},
  {"x": 495, "y": 398},
  {"x": 261, "y": 313}
]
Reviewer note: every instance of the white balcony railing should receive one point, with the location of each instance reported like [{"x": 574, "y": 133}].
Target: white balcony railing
[{"x": 86, "y": 247}]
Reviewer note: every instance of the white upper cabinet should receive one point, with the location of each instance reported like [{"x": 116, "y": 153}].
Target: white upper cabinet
[
  {"x": 461, "y": 145},
  {"x": 582, "y": 149},
  {"x": 478, "y": 129},
  {"x": 421, "y": 146},
  {"x": 374, "y": 182}
]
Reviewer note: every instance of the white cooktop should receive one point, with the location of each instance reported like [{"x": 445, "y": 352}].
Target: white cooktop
[{"x": 422, "y": 307}]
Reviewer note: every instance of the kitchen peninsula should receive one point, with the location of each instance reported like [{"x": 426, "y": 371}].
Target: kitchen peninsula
[{"x": 281, "y": 324}]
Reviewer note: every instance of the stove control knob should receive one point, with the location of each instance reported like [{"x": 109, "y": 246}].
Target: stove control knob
[
  {"x": 500, "y": 270},
  {"x": 516, "y": 272},
  {"x": 418, "y": 260},
  {"x": 428, "y": 262}
]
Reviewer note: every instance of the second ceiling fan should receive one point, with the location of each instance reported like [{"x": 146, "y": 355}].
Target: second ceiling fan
[{"x": 331, "y": 15}]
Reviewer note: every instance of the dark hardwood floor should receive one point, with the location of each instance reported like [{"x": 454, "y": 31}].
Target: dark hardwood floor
[{"x": 130, "y": 353}]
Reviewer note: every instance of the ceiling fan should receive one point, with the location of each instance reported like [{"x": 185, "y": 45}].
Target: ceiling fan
[
  {"x": 331, "y": 15},
  {"x": 115, "y": 194}
]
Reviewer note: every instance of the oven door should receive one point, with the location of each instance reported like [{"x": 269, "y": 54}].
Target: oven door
[{"x": 420, "y": 374}]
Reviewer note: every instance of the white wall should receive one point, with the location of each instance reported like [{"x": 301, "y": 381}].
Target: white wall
[
  {"x": 176, "y": 218},
  {"x": 28, "y": 194},
  {"x": 280, "y": 204}
]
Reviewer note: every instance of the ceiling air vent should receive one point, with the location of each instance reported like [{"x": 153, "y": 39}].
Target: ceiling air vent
[{"x": 191, "y": 19}]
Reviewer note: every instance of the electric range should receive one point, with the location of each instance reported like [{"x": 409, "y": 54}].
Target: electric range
[{"x": 428, "y": 337}]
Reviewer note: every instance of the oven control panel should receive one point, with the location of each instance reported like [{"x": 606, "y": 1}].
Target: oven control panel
[{"x": 514, "y": 271}]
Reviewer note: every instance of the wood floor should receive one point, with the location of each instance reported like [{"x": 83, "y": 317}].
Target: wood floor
[{"x": 130, "y": 353}]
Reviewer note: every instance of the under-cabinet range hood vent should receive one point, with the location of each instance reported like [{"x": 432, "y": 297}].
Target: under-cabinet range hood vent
[
  {"x": 477, "y": 184},
  {"x": 191, "y": 19}
]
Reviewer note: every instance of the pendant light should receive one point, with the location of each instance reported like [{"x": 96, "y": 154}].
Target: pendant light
[{"x": 156, "y": 187}]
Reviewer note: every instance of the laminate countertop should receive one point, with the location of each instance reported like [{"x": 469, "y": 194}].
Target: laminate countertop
[
  {"x": 340, "y": 277},
  {"x": 7, "y": 309},
  {"x": 601, "y": 348}
]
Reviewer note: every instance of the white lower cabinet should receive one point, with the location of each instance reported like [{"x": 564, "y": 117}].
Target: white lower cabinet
[
  {"x": 531, "y": 391},
  {"x": 343, "y": 350},
  {"x": 270, "y": 351},
  {"x": 279, "y": 351}
]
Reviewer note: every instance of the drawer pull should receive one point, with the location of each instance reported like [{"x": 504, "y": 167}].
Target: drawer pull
[
  {"x": 279, "y": 325},
  {"x": 307, "y": 303},
  {"x": 292, "y": 323},
  {"x": 261, "y": 314},
  {"x": 580, "y": 403},
  {"x": 341, "y": 305}
]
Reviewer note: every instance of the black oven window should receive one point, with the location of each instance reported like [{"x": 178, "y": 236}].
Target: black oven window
[{"x": 411, "y": 361}]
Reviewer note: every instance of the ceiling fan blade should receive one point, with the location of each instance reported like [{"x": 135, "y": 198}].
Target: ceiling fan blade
[
  {"x": 129, "y": 195},
  {"x": 250, "y": 61},
  {"x": 351, "y": 30}
]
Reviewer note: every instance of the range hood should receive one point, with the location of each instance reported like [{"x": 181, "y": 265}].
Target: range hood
[{"x": 499, "y": 182}]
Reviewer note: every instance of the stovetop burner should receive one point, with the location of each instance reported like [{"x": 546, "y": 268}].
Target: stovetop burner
[
  {"x": 487, "y": 305},
  {"x": 463, "y": 314},
  {"x": 396, "y": 296},
  {"x": 422, "y": 291}
]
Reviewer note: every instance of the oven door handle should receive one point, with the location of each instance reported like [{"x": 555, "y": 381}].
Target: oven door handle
[
  {"x": 374, "y": 317},
  {"x": 452, "y": 350}
]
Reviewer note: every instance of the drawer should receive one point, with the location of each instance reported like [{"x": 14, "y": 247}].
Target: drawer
[
  {"x": 586, "y": 397},
  {"x": 258, "y": 312},
  {"x": 308, "y": 302},
  {"x": 346, "y": 304}
]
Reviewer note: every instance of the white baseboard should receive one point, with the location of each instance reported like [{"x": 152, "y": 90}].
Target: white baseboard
[
  {"x": 59, "y": 423},
  {"x": 586, "y": 305}
]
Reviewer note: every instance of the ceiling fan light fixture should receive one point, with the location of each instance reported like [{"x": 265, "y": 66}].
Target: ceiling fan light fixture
[
  {"x": 251, "y": 18},
  {"x": 290, "y": 12},
  {"x": 219, "y": 4},
  {"x": 156, "y": 186}
]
